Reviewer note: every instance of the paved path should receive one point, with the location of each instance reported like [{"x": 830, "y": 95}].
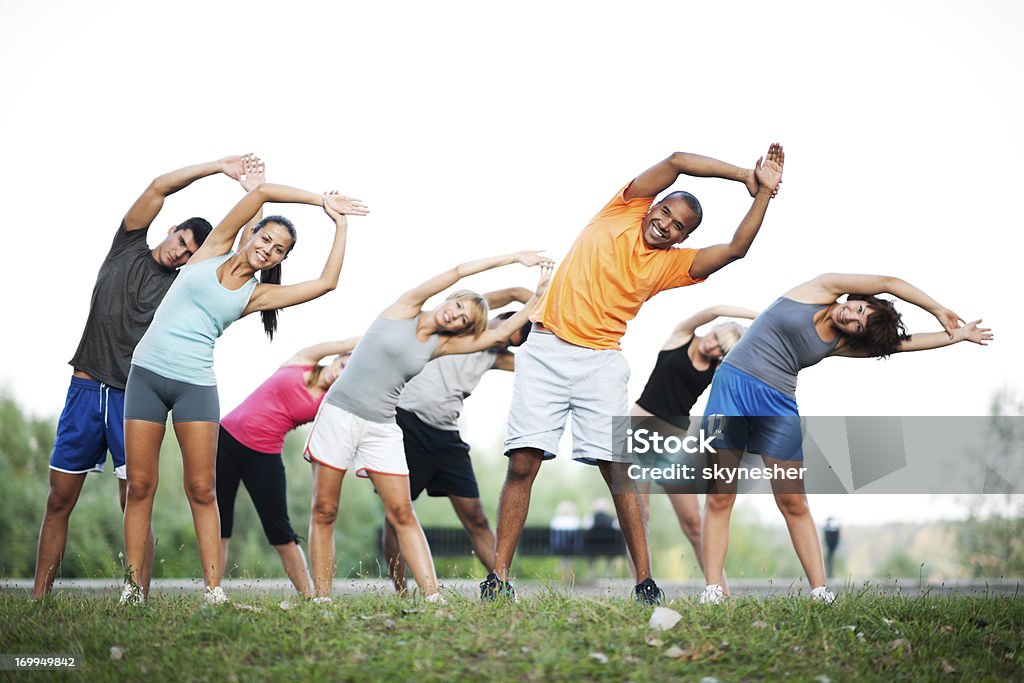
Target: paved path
[{"x": 613, "y": 588}]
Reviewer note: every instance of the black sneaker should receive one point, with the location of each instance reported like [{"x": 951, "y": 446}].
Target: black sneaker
[
  {"x": 647, "y": 593},
  {"x": 493, "y": 588}
]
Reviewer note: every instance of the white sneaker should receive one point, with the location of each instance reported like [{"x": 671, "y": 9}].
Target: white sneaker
[
  {"x": 436, "y": 599},
  {"x": 823, "y": 594},
  {"x": 322, "y": 600},
  {"x": 131, "y": 594},
  {"x": 215, "y": 596},
  {"x": 712, "y": 595}
]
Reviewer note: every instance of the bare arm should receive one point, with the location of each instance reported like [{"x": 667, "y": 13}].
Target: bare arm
[
  {"x": 145, "y": 209},
  {"x": 311, "y": 355},
  {"x": 410, "y": 303},
  {"x": 505, "y": 361},
  {"x": 273, "y": 297},
  {"x": 662, "y": 175},
  {"x": 828, "y": 287},
  {"x": 254, "y": 174},
  {"x": 923, "y": 341},
  {"x": 686, "y": 327},
  {"x": 713, "y": 258},
  {"x": 503, "y": 297}
]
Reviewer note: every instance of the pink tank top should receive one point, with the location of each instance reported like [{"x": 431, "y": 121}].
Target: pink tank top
[{"x": 278, "y": 406}]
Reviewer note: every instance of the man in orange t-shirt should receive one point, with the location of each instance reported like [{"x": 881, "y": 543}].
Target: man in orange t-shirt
[{"x": 572, "y": 364}]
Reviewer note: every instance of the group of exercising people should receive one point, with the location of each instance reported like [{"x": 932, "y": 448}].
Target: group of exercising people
[{"x": 385, "y": 405}]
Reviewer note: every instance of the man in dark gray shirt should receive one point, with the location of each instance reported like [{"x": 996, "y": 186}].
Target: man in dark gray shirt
[{"x": 130, "y": 285}]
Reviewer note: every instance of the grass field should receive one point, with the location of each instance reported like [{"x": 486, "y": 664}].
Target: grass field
[{"x": 547, "y": 637}]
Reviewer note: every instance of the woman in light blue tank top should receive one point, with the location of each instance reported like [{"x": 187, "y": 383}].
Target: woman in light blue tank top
[
  {"x": 172, "y": 369},
  {"x": 356, "y": 429},
  {"x": 755, "y": 392}
]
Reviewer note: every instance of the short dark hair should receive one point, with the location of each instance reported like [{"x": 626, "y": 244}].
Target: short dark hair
[
  {"x": 691, "y": 202},
  {"x": 884, "y": 330},
  {"x": 524, "y": 331},
  {"x": 272, "y": 276},
  {"x": 200, "y": 228}
]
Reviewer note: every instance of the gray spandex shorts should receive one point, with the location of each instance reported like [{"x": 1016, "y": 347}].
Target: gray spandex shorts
[{"x": 149, "y": 397}]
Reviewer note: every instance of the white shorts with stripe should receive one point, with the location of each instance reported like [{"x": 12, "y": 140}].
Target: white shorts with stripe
[{"x": 343, "y": 441}]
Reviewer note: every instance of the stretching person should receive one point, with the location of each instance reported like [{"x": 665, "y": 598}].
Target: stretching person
[
  {"x": 131, "y": 283},
  {"x": 754, "y": 391},
  {"x": 356, "y": 429},
  {"x": 172, "y": 369},
  {"x": 622, "y": 258},
  {"x": 250, "y": 445},
  {"x": 685, "y": 366},
  {"x": 428, "y": 413}
]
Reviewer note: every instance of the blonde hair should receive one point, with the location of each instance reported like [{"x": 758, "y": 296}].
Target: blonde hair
[
  {"x": 478, "y": 322},
  {"x": 728, "y": 334}
]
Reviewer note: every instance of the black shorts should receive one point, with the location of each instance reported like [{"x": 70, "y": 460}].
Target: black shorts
[
  {"x": 264, "y": 479},
  {"x": 438, "y": 459}
]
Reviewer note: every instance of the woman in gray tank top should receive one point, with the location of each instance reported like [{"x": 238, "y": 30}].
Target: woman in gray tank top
[
  {"x": 754, "y": 390},
  {"x": 356, "y": 429},
  {"x": 172, "y": 369}
]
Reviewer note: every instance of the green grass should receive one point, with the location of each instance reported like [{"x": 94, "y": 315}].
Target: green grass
[{"x": 550, "y": 637}]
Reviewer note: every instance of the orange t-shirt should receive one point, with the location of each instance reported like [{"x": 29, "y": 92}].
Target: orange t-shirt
[{"x": 607, "y": 275}]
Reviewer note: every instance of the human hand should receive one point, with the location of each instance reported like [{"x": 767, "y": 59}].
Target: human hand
[
  {"x": 949, "y": 320},
  {"x": 768, "y": 171},
  {"x": 247, "y": 169},
  {"x": 546, "y": 271},
  {"x": 344, "y": 205},
  {"x": 532, "y": 258},
  {"x": 972, "y": 333}
]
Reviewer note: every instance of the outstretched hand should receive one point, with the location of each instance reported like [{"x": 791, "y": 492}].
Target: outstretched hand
[
  {"x": 247, "y": 169},
  {"x": 546, "y": 271},
  {"x": 533, "y": 258},
  {"x": 334, "y": 214},
  {"x": 949, "y": 320},
  {"x": 972, "y": 333},
  {"x": 344, "y": 205},
  {"x": 768, "y": 171}
]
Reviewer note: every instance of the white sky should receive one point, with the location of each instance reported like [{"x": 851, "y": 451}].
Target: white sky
[{"x": 473, "y": 129}]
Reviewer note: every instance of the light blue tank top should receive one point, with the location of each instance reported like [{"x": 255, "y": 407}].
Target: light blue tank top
[
  {"x": 387, "y": 356},
  {"x": 780, "y": 342},
  {"x": 195, "y": 312}
]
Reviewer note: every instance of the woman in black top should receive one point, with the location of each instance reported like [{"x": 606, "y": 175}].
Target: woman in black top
[{"x": 685, "y": 366}]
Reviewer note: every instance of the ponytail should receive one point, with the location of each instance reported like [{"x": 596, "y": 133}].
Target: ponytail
[{"x": 272, "y": 276}]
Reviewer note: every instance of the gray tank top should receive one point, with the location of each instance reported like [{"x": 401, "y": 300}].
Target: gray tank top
[
  {"x": 387, "y": 356},
  {"x": 780, "y": 342}
]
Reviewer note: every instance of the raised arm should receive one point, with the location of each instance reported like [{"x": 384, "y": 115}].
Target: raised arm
[
  {"x": 500, "y": 298},
  {"x": 311, "y": 355},
  {"x": 768, "y": 176},
  {"x": 923, "y": 341},
  {"x": 663, "y": 174},
  {"x": 828, "y": 287},
  {"x": 254, "y": 174},
  {"x": 267, "y": 297},
  {"x": 504, "y": 331},
  {"x": 410, "y": 303},
  {"x": 686, "y": 327},
  {"x": 145, "y": 209}
]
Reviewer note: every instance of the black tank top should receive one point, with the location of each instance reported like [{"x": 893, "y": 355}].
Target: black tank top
[{"x": 674, "y": 385}]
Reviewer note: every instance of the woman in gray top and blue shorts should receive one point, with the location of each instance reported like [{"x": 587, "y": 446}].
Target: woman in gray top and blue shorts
[
  {"x": 355, "y": 428},
  {"x": 753, "y": 395},
  {"x": 172, "y": 368}
]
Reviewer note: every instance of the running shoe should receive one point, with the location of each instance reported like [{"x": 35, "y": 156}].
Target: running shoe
[
  {"x": 322, "y": 600},
  {"x": 647, "y": 593},
  {"x": 436, "y": 599},
  {"x": 131, "y": 594},
  {"x": 823, "y": 594},
  {"x": 493, "y": 588},
  {"x": 215, "y": 596},
  {"x": 712, "y": 595}
]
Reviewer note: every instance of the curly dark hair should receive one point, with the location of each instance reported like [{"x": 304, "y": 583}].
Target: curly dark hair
[{"x": 884, "y": 331}]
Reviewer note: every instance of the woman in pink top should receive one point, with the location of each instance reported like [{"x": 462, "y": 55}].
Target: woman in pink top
[{"x": 251, "y": 441}]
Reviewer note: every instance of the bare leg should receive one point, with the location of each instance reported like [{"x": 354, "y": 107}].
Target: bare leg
[
  {"x": 687, "y": 511},
  {"x": 514, "y": 504},
  {"x": 326, "y": 494},
  {"x": 294, "y": 562},
  {"x": 717, "y": 513},
  {"x": 792, "y": 502},
  {"x": 629, "y": 508},
  {"x": 53, "y": 534},
  {"x": 198, "y": 441},
  {"x": 142, "y": 456},
  {"x": 146, "y": 571},
  {"x": 393, "y": 557},
  {"x": 470, "y": 512},
  {"x": 394, "y": 493}
]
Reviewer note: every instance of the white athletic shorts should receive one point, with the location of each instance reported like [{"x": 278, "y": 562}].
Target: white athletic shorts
[
  {"x": 343, "y": 441},
  {"x": 555, "y": 379}
]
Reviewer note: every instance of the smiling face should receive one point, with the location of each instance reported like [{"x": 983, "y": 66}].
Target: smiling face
[
  {"x": 710, "y": 347},
  {"x": 331, "y": 373},
  {"x": 176, "y": 249},
  {"x": 455, "y": 316},
  {"x": 668, "y": 223},
  {"x": 851, "y": 317},
  {"x": 268, "y": 246}
]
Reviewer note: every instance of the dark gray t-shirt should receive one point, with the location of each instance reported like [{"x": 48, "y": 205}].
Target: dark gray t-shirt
[{"x": 129, "y": 287}]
